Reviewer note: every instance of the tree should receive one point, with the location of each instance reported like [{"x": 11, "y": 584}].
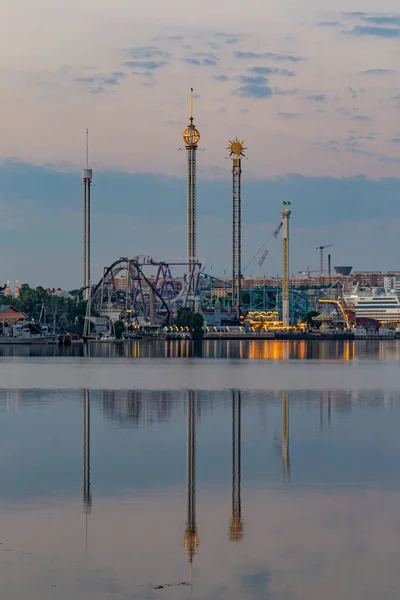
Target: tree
[
  {"x": 193, "y": 321},
  {"x": 36, "y": 302},
  {"x": 119, "y": 328}
]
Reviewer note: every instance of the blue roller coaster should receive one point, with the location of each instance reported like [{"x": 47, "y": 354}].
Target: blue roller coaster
[{"x": 213, "y": 289}]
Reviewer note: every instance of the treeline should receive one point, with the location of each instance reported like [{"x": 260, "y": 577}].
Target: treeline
[{"x": 65, "y": 314}]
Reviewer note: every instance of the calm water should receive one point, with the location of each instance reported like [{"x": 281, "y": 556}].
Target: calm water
[{"x": 242, "y": 470}]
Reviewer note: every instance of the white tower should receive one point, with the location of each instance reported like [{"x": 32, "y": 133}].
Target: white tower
[{"x": 87, "y": 175}]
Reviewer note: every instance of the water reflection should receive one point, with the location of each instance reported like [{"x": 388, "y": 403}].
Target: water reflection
[
  {"x": 236, "y": 528},
  {"x": 191, "y": 540},
  {"x": 144, "y": 408},
  {"x": 305, "y": 536},
  {"x": 234, "y": 349},
  {"x": 87, "y": 496},
  {"x": 285, "y": 437},
  {"x": 138, "y": 407}
]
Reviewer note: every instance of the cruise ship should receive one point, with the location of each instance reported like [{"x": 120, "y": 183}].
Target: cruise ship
[{"x": 384, "y": 306}]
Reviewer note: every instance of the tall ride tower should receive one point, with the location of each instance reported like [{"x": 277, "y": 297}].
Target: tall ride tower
[
  {"x": 236, "y": 528},
  {"x": 285, "y": 214},
  {"x": 87, "y": 175},
  {"x": 191, "y": 541},
  {"x": 191, "y": 137},
  {"x": 236, "y": 149}
]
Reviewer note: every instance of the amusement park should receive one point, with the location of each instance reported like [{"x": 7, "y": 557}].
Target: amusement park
[
  {"x": 156, "y": 297},
  {"x": 153, "y": 297},
  {"x": 177, "y": 298}
]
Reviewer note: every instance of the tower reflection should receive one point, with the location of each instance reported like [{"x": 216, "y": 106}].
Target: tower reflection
[
  {"x": 236, "y": 527},
  {"x": 87, "y": 496},
  {"x": 285, "y": 438},
  {"x": 190, "y": 540}
]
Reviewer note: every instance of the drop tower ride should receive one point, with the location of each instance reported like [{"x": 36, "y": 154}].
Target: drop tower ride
[
  {"x": 236, "y": 148},
  {"x": 191, "y": 137}
]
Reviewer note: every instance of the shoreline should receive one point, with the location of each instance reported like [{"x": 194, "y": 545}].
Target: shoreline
[{"x": 217, "y": 337}]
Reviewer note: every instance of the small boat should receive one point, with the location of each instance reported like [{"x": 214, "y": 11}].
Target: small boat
[{"x": 106, "y": 337}]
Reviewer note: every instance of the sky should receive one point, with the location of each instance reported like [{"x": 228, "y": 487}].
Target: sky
[{"x": 312, "y": 88}]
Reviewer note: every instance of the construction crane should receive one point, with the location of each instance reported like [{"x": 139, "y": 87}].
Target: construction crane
[
  {"x": 321, "y": 256},
  {"x": 265, "y": 248},
  {"x": 308, "y": 272}
]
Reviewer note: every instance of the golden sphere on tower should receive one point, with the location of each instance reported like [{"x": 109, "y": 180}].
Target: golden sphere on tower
[
  {"x": 236, "y": 147},
  {"x": 191, "y": 136}
]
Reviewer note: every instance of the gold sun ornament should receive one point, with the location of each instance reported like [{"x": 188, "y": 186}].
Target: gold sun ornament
[{"x": 236, "y": 147}]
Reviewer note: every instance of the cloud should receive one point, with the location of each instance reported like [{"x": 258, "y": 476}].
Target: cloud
[
  {"x": 85, "y": 79},
  {"x": 149, "y": 65},
  {"x": 227, "y": 38},
  {"x": 109, "y": 80},
  {"x": 360, "y": 118},
  {"x": 232, "y": 41},
  {"x": 147, "y": 52},
  {"x": 384, "y": 32},
  {"x": 288, "y": 115},
  {"x": 142, "y": 73},
  {"x": 258, "y": 80},
  {"x": 97, "y": 90},
  {"x": 329, "y": 24},
  {"x": 222, "y": 78},
  {"x": 192, "y": 61},
  {"x": 279, "y": 92},
  {"x": 355, "y": 136},
  {"x": 202, "y": 59},
  {"x": 99, "y": 81},
  {"x": 252, "y": 90},
  {"x": 333, "y": 145},
  {"x": 395, "y": 140},
  {"x": 381, "y": 19},
  {"x": 271, "y": 71},
  {"x": 377, "y": 72},
  {"x": 356, "y": 93},
  {"x": 316, "y": 98},
  {"x": 267, "y": 55}
]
